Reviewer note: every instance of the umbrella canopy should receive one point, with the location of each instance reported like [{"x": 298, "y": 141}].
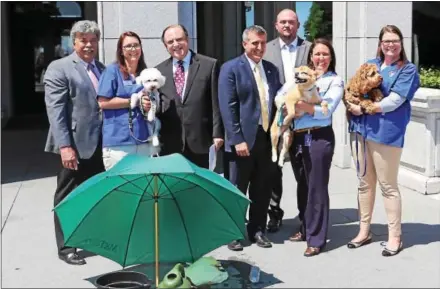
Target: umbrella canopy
[{"x": 143, "y": 205}]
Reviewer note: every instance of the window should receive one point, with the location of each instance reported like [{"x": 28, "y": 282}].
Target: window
[
  {"x": 249, "y": 13},
  {"x": 68, "y": 9},
  {"x": 426, "y": 17},
  {"x": 315, "y": 19}
]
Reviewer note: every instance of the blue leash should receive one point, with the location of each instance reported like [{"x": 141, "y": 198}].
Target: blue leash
[
  {"x": 357, "y": 154},
  {"x": 280, "y": 120}
]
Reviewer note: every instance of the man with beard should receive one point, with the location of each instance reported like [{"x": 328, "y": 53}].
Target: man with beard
[
  {"x": 189, "y": 112},
  {"x": 287, "y": 51},
  {"x": 70, "y": 85}
]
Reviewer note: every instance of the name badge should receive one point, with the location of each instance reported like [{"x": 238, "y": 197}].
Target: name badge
[
  {"x": 127, "y": 82},
  {"x": 308, "y": 140}
]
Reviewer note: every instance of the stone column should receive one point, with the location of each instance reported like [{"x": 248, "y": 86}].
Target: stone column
[
  {"x": 356, "y": 27},
  {"x": 420, "y": 163},
  {"x": 147, "y": 19}
]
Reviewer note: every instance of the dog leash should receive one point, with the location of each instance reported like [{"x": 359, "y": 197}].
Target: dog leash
[
  {"x": 364, "y": 136},
  {"x": 130, "y": 121}
]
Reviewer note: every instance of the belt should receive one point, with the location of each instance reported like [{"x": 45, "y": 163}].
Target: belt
[{"x": 308, "y": 130}]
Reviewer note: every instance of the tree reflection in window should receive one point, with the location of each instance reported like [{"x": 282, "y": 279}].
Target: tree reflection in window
[{"x": 68, "y": 9}]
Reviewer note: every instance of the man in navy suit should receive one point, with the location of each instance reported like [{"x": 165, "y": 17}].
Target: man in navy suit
[{"x": 247, "y": 88}]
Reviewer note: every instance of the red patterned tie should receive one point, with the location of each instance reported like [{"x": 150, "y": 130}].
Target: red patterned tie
[{"x": 179, "y": 78}]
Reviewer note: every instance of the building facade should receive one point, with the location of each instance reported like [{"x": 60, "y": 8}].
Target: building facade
[{"x": 215, "y": 29}]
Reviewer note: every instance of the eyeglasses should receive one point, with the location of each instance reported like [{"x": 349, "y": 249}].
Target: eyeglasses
[
  {"x": 388, "y": 42},
  {"x": 134, "y": 46}
]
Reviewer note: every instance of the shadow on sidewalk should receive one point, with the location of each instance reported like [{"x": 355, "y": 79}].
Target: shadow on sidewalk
[
  {"x": 342, "y": 230},
  {"x": 23, "y": 156},
  {"x": 238, "y": 272},
  {"x": 291, "y": 226}
]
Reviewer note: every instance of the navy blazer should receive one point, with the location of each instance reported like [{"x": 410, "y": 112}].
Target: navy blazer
[{"x": 240, "y": 102}]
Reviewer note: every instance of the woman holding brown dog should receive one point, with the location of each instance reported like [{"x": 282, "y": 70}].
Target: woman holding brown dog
[
  {"x": 377, "y": 139},
  {"x": 312, "y": 149}
]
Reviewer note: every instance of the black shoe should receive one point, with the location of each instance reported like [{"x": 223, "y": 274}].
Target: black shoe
[
  {"x": 388, "y": 252},
  {"x": 261, "y": 240},
  {"x": 72, "y": 259},
  {"x": 354, "y": 245},
  {"x": 235, "y": 246},
  {"x": 276, "y": 220}
]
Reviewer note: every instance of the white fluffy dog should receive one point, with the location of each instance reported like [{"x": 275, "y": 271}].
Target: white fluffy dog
[{"x": 151, "y": 79}]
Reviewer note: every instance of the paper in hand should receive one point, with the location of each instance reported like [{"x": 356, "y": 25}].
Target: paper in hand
[{"x": 212, "y": 157}]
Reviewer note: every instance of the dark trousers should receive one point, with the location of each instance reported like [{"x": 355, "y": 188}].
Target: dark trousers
[
  {"x": 277, "y": 188},
  {"x": 67, "y": 181},
  {"x": 252, "y": 172},
  {"x": 311, "y": 166},
  {"x": 201, "y": 160}
]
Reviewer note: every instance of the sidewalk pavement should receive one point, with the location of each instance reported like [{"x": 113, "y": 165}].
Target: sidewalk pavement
[{"x": 29, "y": 258}]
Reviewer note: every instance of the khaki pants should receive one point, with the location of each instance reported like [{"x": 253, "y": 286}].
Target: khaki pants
[
  {"x": 382, "y": 165},
  {"x": 112, "y": 155}
]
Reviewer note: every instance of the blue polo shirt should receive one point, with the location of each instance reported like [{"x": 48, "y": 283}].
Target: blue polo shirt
[
  {"x": 389, "y": 128},
  {"x": 115, "y": 130}
]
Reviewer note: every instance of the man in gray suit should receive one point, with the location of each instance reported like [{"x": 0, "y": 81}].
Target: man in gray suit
[
  {"x": 287, "y": 51},
  {"x": 75, "y": 120}
]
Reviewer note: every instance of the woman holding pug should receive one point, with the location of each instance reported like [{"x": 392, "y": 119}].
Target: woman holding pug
[
  {"x": 377, "y": 139},
  {"x": 312, "y": 149},
  {"x": 120, "y": 105}
]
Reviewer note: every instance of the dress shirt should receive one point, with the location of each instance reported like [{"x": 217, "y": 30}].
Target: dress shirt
[
  {"x": 186, "y": 61},
  {"x": 264, "y": 78},
  {"x": 331, "y": 89},
  {"x": 95, "y": 69},
  {"x": 288, "y": 56}
]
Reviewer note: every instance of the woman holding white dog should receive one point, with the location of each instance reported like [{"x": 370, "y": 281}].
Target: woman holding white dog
[
  {"x": 377, "y": 139},
  {"x": 312, "y": 149},
  {"x": 120, "y": 103}
]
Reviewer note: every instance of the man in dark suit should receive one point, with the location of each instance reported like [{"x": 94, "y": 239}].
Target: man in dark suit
[
  {"x": 189, "y": 113},
  {"x": 287, "y": 51},
  {"x": 247, "y": 88},
  {"x": 70, "y": 85}
]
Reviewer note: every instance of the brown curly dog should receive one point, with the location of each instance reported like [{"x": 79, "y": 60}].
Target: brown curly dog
[{"x": 366, "y": 81}]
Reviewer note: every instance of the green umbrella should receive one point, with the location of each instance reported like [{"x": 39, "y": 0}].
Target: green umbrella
[{"x": 146, "y": 210}]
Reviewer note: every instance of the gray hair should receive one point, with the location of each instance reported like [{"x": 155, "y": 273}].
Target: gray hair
[
  {"x": 254, "y": 28},
  {"x": 85, "y": 26}
]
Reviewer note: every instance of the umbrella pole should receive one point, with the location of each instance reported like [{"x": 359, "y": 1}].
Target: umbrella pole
[{"x": 156, "y": 229}]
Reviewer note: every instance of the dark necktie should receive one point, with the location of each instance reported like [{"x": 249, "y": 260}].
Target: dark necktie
[{"x": 179, "y": 78}]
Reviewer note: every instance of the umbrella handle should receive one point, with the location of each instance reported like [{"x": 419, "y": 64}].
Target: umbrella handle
[{"x": 156, "y": 229}]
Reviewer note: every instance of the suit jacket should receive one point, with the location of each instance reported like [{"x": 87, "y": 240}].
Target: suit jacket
[
  {"x": 240, "y": 102},
  {"x": 72, "y": 107},
  {"x": 273, "y": 54},
  {"x": 196, "y": 120}
]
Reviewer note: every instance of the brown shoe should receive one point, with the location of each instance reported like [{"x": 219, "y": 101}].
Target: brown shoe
[
  {"x": 312, "y": 251},
  {"x": 298, "y": 237}
]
